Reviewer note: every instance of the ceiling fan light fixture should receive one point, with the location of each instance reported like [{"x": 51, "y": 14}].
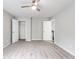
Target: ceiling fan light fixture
[
  {"x": 34, "y": 7},
  {"x": 35, "y": 3}
]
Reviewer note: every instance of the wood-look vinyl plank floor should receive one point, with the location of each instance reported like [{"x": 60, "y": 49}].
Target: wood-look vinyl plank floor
[{"x": 31, "y": 50}]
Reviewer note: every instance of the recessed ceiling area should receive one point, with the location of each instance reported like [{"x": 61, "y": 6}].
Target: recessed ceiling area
[{"x": 48, "y": 8}]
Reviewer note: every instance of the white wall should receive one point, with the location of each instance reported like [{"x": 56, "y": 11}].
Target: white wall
[
  {"x": 65, "y": 29},
  {"x": 6, "y": 29},
  {"x": 53, "y": 21},
  {"x": 37, "y": 28}
]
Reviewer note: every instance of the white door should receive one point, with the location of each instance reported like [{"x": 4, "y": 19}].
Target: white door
[
  {"x": 22, "y": 29},
  {"x": 47, "y": 30},
  {"x": 15, "y": 25}
]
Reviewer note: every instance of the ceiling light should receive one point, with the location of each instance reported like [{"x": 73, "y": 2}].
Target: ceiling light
[
  {"x": 35, "y": 3},
  {"x": 33, "y": 7}
]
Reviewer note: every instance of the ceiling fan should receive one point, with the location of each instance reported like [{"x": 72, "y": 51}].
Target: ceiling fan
[{"x": 35, "y": 5}]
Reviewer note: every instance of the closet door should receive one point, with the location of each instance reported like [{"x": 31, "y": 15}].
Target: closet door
[{"x": 15, "y": 35}]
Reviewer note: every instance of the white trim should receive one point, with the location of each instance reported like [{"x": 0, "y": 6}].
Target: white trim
[
  {"x": 64, "y": 51},
  {"x": 36, "y": 39},
  {"x": 5, "y": 45},
  {"x": 27, "y": 40}
]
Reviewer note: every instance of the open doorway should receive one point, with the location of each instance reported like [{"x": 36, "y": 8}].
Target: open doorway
[{"x": 21, "y": 30}]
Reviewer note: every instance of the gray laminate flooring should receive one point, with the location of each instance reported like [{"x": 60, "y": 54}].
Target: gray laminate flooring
[{"x": 31, "y": 50}]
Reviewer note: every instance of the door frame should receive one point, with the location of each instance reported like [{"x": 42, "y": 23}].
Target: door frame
[
  {"x": 19, "y": 28},
  {"x": 11, "y": 30}
]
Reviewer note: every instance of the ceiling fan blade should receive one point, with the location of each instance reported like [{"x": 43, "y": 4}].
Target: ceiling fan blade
[
  {"x": 38, "y": 9},
  {"x": 25, "y": 6},
  {"x": 33, "y": 1}
]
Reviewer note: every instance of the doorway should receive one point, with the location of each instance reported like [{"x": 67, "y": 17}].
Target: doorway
[
  {"x": 47, "y": 30},
  {"x": 22, "y": 30}
]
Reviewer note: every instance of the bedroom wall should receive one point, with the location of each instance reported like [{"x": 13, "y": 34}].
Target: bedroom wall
[
  {"x": 65, "y": 29},
  {"x": 6, "y": 29},
  {"x": 37, "y": 28}
]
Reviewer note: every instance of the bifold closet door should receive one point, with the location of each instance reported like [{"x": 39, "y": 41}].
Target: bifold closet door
[{"x": 15, "y": 35}]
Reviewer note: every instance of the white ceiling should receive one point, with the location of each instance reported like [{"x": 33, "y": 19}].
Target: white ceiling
[{"x": 48, "y": 7}]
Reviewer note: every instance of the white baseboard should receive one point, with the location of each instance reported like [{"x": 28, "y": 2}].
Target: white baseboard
[
  {"x": 64, "y": 52},
  {"x": 36, "y": 39},
  {"x": 27, "y": 40},
  {"x": 5, "y": 45}
]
